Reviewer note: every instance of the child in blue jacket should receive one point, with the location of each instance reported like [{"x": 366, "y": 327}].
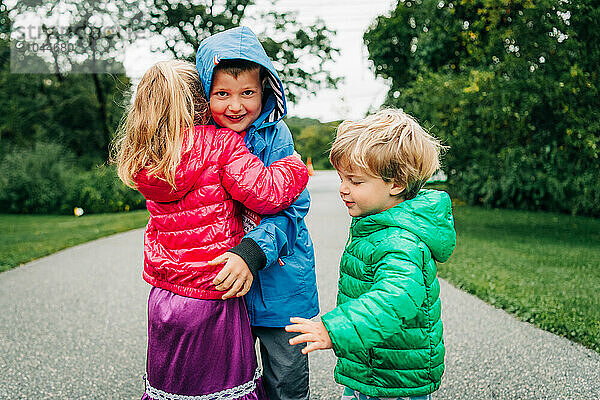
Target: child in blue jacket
[{"x": 246, "y": 95}]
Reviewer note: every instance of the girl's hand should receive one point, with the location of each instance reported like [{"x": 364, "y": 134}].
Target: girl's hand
[
  {"x": 234, "y": 277},
  {"x": 312, "y": 331}
]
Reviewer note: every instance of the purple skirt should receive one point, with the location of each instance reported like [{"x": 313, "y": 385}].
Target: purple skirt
[{"x": 200, "y": 350}]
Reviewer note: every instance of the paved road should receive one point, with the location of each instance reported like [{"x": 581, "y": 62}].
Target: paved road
[{"x": 73, "y": 327}]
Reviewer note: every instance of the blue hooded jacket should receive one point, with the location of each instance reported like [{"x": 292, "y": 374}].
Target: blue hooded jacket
[{"x": 286, "y": 286}]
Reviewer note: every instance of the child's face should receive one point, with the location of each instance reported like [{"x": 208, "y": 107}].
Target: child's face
[
  {"x": 365, "y": 194},
  {"x": 235, "y": 103}
]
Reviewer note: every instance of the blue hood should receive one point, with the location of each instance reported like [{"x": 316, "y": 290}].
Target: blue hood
[{"x": 242, "y": 43}]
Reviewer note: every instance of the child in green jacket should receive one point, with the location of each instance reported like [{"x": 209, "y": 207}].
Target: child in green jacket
[{"x": 386, "y": 329}]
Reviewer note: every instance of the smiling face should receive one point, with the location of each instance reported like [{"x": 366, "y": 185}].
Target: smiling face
[
  {"x": 235, "y": 103},
  {"x": 365, "y": 194}
]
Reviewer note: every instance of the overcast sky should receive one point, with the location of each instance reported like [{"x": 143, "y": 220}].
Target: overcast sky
[{"x": 350, "y": 18}]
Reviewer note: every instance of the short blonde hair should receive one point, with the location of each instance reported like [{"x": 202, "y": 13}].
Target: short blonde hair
[
  {"x": 391, "y": 145},
  {"x": 169, "y": 101}
]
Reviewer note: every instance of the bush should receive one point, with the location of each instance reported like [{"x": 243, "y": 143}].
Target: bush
[
  {"x": 33, "y": 181},
  {"x": 45, "y": 180},
  {"x": 101, "y": 191}
]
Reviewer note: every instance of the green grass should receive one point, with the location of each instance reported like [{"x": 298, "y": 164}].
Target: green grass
[
  {"x": 26, "y": 237},
  {"x": 542, "y": 267}
]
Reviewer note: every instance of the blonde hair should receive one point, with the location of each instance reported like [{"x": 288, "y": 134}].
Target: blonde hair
[
  {"x": 391, "y": 145},
  {"x": 168, "y": 102}
]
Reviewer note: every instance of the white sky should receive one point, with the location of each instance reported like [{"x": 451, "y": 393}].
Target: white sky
[{"x": 349, "y": 18}]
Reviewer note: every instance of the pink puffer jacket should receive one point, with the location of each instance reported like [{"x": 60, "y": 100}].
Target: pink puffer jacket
[{"x": 202, "y": 218}]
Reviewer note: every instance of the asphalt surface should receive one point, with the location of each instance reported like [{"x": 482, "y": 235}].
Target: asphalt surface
[{"x": 73, "y": 326}]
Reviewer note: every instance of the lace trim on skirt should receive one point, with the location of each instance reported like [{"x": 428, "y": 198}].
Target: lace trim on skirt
[{"x": 227, "y": 394}]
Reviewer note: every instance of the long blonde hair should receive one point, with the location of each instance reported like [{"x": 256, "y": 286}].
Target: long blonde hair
[{"x": 168, "y": 103}]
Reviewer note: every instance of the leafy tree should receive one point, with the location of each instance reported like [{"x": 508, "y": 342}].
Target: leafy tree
[
  {"x": 80, "y": 48},
  {"x": 99, "y": 32},
  {"x": 313, "y": 139},
  {"x": 300, "y": 53},
  {"x": 296, "y": 124},
  {"x": 46, "y": 108},
  {"x": 511, "y": 86}
]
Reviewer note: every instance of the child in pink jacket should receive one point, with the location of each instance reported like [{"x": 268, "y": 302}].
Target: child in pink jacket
[{"x": 195, "y": 179}]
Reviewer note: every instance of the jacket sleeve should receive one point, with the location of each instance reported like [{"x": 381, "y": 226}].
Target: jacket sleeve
[
  {"x": 265, "y": 190},
  {"x": 369, "y": 320},
  {"x": 276, "y": 234}
]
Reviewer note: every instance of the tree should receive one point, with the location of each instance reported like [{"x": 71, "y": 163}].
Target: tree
[
  {"x": 300, "y": 53},
  {"x": 52, "y": 103},
  {"x": 97, "y": 32},
  {"x": 315, "y": 142},
  {"x": 313, "y": 139},
  {"x": 511, "y": 86},
  {"x": 79, "y": 37}
]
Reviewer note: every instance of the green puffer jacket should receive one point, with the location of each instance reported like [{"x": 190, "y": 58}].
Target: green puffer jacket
[{"x": 386, "y": 329}]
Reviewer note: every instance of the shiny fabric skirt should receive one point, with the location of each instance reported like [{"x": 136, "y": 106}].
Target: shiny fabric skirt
[{"x": 200, "y": 350}]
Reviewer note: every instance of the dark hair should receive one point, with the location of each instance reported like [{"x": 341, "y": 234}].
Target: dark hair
[{"x": 236, "y": 66}]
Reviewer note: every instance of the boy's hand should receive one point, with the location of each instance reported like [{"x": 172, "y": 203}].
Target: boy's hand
[
  {"x": 312, "y": 331},
  {"x": 297, "y": 155},
  {"x": 234, "y": 277}
]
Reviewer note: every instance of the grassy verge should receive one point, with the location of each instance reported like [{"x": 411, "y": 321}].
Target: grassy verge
[
  {"x": 26, "y": 237},
  {"x": 542, "y": 267}
]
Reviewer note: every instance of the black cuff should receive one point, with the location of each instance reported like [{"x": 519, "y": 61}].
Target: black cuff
[{"x": 252, "y": 254}]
